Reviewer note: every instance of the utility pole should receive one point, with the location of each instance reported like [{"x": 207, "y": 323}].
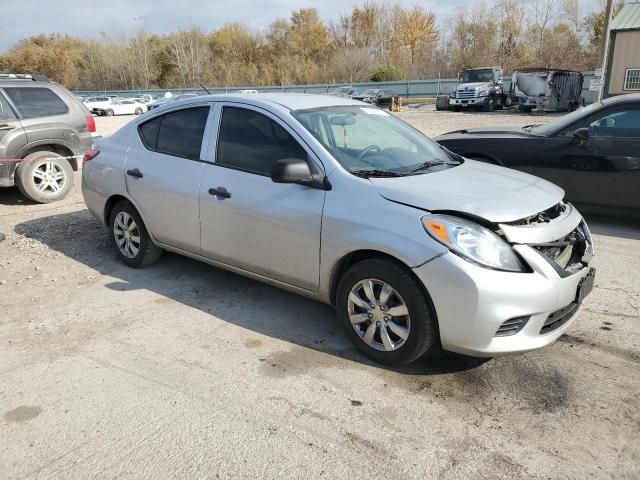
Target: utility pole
[{"x": 604, "y": 44}]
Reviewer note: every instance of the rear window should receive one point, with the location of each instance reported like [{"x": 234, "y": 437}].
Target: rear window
[
  {"x": 36, "y": 102},
  {"x": 178, "y": 133}
]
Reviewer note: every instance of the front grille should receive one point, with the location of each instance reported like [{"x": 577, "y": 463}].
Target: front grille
[
  {"x": 559, "y": 318},
  {"x": 512, "y": 326},
  {"x": 470, "y": 93},
  {"x": 569, "y": 254},
  {"x": 543, "y": 217}
]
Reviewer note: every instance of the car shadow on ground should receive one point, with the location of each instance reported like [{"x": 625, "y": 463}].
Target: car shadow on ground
[
  {"x": 12, "y": 196},
  {"x": 614, "y": 226},
  {"x": 230, "y": 297}
]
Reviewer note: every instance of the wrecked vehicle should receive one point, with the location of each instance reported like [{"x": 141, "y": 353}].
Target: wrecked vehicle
[
  {"x": 546, "y": 90},
  {"x": 345, "y": 203}
]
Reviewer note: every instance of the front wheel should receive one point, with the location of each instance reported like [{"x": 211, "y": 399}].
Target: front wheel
[
  {"x": 488, "y": 107},
  {"x": 385, "y": 312},
  {"x": 130, "y": 237},
  {"x": 138, "y": 111},
  {"x": 109, "y": 113}
]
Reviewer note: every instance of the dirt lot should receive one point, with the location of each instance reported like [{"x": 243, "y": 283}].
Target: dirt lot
[{"x": 181, "y": 370}]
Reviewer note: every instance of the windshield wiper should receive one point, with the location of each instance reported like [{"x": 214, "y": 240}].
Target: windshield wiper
[
  {"x": 376, "y": 173},
  {"x": 429, "y": 164}
]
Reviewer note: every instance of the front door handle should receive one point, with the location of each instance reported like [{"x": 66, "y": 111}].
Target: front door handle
[
  {"x": 135, "y": 173},
  {"x": 220, "y": 192},
  {"x": 6, "y": 126}
]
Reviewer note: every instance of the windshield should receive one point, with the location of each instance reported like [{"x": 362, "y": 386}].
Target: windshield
[
  {"x": 371, "y": 142},
  {"x": 565, "y": 121},
  {"x": 472, "y": 76}
]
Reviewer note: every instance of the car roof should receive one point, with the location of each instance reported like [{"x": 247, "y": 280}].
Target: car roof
[
  {"x": 290, "y": 101},
  {"x": 629, "y": 97}
]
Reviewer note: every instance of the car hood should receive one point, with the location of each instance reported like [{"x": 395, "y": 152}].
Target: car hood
[
  {"x": 473, "y": 85},
  {"x": 494, "y": 131},
  {"x": 494, "y": 193}
]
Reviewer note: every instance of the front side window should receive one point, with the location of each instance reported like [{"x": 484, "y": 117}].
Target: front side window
[
  {"x": 178, "y": 133},
  {"x": 36, "y": 102},
  {"x": 367, "y": 141},
  {"x": 252, "y": 142},
  {"x": 632, "y": 79},
  {"x": 621, "y": 124}
]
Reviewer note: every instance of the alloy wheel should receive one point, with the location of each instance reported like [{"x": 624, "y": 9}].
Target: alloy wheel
[
  {"x": 127, "y": 235},
  {"x": 379, "y": 315},
  {"x": 48, "y": 177}
]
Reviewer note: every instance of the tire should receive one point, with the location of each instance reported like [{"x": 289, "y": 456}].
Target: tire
[
  {"x": 109, "y": 112},
  {"x": 44, "y": 177},
  {"x": 488, "y": 107},
  {"x": 138, "y": 111},
  {"x": 442, "y": 102},
  {"x": 419, "y": 325},
  {"x": 145, "y": 252}
]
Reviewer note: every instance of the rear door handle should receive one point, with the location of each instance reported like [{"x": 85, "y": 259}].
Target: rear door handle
[
  {"x": 220, "y": 192},
  {"x": 135, "y": 173},
  {"x": 6, "y": 126}
]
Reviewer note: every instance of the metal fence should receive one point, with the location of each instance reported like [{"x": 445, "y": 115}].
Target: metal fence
[{"x": 406, "y": 88}]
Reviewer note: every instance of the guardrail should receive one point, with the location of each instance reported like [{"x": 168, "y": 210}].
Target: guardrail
[{"x": 406, "y": 88}]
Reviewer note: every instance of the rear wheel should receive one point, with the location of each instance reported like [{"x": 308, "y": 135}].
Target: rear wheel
[
  {"x": 385, "y": 312},
  {"x": 109, "y": 112},
  {"x": 44, "y": 177},
  {"x": 130, "y": 237}
]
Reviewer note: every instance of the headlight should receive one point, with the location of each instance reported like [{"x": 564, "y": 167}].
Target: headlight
[
  {"x": 483, "y": 93},
  {"x": 473, "y": 242},
  {"x": 452, "y": 95}
]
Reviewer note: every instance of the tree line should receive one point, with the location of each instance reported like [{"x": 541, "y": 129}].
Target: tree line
[{"x": 375, "y": 41}]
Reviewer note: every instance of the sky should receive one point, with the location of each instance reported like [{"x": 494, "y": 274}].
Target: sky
[{"x": 86, "y": 19}]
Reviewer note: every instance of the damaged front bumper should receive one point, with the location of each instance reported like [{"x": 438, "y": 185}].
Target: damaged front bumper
[{"x": 485, "y": 312}]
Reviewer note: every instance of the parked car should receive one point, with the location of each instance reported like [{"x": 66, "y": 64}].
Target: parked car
[
  {"x": 247, "y": 91},
  {"x": 44, "y": 130},
  {"x": 164, "y": 100},
  {"x": 122, "y": 107},
  {"x": 145, "y": 98},
  {"x": 346, "y": 92},
  {"x": 93, "y": 103},
  {"x": 592, "y": 153},
  {"x": 377, "y": 97},
  {"x": 347, "y": 204}
]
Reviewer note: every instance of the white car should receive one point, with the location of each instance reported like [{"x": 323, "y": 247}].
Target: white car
[
  {"x": 122, "y": 107},
  {"x": 93, "y": 103}
]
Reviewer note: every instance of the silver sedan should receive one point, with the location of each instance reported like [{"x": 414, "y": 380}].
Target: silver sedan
[{"x": 339, "y": 201}]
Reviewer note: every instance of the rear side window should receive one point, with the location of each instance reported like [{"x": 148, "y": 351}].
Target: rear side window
[
  {"x": 177, "y": 133},
  {"x": 253, "y": 142},
  {"x": 36, "y": 102}
]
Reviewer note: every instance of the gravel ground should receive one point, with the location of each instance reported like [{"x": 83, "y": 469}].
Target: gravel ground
[{"x": 181, "y": 370}]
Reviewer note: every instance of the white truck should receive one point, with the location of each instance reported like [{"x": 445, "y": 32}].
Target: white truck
[{"x": 479, "y": 88}]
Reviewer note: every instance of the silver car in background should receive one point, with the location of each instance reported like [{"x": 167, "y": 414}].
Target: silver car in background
[{"x": 345, "y": 203}]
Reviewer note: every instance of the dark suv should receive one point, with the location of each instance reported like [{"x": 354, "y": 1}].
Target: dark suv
[{"x": 44, "y": 131}]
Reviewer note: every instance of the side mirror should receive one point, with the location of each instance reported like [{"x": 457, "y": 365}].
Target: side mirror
[
  {"x": 292, "y": 170},
  {"x": 582, "y": 134}
]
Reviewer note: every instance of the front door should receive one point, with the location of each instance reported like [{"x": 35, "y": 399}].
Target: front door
[
  {"x": 163, "y": 173},
  {"x": 250, "y": 222}
]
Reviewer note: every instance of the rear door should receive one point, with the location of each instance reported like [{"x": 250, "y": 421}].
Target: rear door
[
  {"x": 267, "y": 228},
  {"x": 12, "y": 139},
  {"x": 163, "y": 172}
]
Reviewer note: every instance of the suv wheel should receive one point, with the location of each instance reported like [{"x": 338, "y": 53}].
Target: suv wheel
[
  {"x": 385, "y": 312},
  {"x": 44, "y": 177},
  {"x": 131, "y": 240}
]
